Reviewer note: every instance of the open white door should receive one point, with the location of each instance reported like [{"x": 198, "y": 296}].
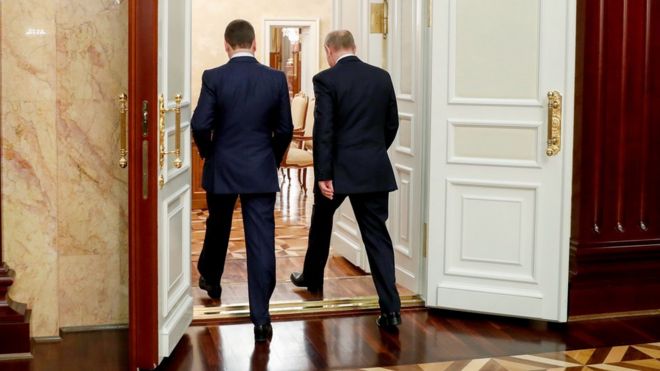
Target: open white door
[
  {"x": 406, "y": 66},
  {"x": 175, "y": 304},
  {"x": 401, "y": 53},
  {"x": 499, "y": 205}
]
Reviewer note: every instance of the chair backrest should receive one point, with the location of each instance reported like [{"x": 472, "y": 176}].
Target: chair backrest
[
  {"x": 298, "y": 110},
  {"x": 309, "y": 118}
]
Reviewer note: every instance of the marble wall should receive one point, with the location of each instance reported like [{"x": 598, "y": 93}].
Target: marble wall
[
  {"x": 64, "y": 198},
  {"x": 210, "y": 17}
]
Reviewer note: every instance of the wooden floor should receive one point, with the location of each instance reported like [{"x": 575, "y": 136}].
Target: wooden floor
[
  {"x": 292, "y": 216},
  {"x": 356, "y": 342}
]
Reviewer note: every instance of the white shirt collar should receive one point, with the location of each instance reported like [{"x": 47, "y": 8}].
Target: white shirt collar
[
  {"x": 345, "y": 55},
  {"x": 242, "y": 54}
]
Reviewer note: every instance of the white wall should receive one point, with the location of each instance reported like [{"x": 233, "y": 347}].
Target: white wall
[{"x": 210, "y": 17}]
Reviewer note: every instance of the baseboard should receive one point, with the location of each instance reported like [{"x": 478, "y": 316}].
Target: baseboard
[
  {"x": 47, "y": 339},
  {"x": 15, "y": 356},
  {"x": 108, "y": 327},
  {"x": 630, "y": 314},
  {"x": 606, "y": 280}
]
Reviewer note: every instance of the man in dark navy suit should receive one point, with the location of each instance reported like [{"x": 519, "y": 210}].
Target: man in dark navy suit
[
  {"x": 356, "y": 121},
  {"x": 242, "y": 127}
]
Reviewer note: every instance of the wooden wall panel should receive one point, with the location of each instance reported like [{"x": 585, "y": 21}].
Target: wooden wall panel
[
  {"x": 198, "y": 193},
  {"x": 616, "y": 197}
]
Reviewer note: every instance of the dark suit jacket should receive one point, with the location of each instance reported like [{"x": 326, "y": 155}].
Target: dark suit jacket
[
  {"x": 356, "y": 121},
  {"x": 242, "y": 126}
]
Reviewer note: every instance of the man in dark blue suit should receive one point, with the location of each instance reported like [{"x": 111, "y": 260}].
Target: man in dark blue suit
[
  {"x": 356, "y": 121},
  {"x": 242, "y": 127}
]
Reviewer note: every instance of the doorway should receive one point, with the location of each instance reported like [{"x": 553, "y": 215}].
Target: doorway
[
  {"x": 487, "y": 156},
  {"x": 291, "y": 45}
]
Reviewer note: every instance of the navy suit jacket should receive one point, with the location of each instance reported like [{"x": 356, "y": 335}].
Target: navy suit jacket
[
  {"x": 242, "y": 127},
  {"x": 356, "y": 121}
]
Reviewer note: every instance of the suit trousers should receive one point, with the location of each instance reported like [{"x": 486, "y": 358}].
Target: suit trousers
[
  {"x": 259, "y": 226},
  {"x": 371, "y": 212}
]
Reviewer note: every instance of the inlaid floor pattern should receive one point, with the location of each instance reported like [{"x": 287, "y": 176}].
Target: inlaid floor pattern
[
  {"x": 618, "y": 358},
  {"x": 292, "y": 216}
]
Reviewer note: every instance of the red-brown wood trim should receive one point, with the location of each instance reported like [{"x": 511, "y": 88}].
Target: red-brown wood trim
[
  {"x": 615, "y": 237},
  {"x": 14, "y": 317},
  {"x": 198, "y": 193},
  {"x": 143, "y": 228}
]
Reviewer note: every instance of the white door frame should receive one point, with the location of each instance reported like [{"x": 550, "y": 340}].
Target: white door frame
[{"x": 309, "y": 59}]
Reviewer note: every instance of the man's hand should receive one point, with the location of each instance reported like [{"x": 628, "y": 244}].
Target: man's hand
[{"x": 327, "y": 189}]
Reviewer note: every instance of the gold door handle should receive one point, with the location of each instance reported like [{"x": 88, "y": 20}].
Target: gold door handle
[
  {"x": 123, "y": 130},
  {"x": 554, "y": 123},
  {"x": 178, "y": 163}
]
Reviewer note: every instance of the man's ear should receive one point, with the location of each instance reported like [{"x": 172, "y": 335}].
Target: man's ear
[
  {"x": 254, "y": 46},
  {"x": 228, "y": 47}
]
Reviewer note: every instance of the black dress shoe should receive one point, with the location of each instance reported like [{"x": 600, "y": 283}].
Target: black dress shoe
[
  {"x": 214, "y": 291},
  {"x": 263, "y": 332},
  {"x": 389, "y": 320},
  {"x": 298, "y": 279}
]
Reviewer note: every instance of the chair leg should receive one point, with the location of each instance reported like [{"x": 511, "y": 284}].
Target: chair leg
[
  {"x": 304, "y": 180},
  {"x": 288, "y": 174}
]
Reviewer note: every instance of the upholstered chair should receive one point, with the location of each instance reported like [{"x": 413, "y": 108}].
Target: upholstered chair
[{"x": 299, "y": 111}]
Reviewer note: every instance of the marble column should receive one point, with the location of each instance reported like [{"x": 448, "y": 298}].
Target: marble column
[{"x": 14, "y": 317}]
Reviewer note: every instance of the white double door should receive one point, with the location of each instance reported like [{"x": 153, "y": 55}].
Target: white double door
[{"x": 472, "y": 79}]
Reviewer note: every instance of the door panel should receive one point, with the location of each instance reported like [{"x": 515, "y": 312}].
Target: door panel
[
  {"x": 499, "y": 204},
  {"x": 160, "y": 303},
  {"x": 405, "y": 64},
  {"x": 174, "y": 195}
]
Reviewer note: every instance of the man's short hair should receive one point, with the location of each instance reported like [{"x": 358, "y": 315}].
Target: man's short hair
[
  {"x": 239, "y": 34},
  {"x": 340, "y": 40}
]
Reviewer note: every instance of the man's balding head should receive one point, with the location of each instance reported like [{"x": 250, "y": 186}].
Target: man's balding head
[
  {"x": 340, "y": 39},
  {"x": 337, "y": 44}
]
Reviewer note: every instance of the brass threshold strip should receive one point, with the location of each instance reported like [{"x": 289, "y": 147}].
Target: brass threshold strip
[{"x": 299, "y": 307}]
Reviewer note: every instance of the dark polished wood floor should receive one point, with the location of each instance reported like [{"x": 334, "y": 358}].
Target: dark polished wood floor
[{"x": 347, "y": 342}]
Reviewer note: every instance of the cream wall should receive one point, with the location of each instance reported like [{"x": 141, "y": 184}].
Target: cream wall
[
  {"x": 210, "y": 17},
  {"x": 64, "y": 198}
]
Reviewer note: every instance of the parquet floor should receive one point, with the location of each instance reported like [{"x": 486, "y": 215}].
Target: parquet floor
[
  {"x": 618, "y": 358},
  {"x": 293, "y": 210}
]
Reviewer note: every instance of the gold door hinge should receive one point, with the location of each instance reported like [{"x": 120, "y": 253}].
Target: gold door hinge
[
  {"x": 429, "y": 14},
  {"x": 379, "y": 18}
]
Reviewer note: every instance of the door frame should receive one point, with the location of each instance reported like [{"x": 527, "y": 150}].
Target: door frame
[
  {"x": 313, "y": 58},
  {"x": 143, "y": 196}
]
